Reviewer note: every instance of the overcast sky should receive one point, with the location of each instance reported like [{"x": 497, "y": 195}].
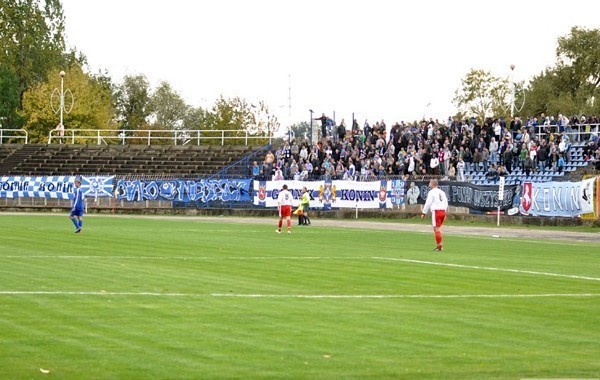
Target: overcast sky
[{"x": 392, "y": 60}]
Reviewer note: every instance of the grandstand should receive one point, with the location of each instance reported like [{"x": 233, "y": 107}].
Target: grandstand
[
  {"x": 186, "y": 161},
  {"x": 66, "y": 159},
  {"x": 518, "y": 175}
]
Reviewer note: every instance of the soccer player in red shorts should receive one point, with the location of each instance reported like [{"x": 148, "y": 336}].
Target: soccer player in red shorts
[
  {"x": 437, "y": 202},
  {"x": 284, "y": 206}
]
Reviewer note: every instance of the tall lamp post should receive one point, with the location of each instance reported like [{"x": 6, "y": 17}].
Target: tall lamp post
[
  {"x": 512, "y": 91},
  {"x": 60, "y": 94},
  {"x": 311, "y": 126}
]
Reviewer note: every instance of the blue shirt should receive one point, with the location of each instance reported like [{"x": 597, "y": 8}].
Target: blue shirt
[{"x": 78, "y": 199}]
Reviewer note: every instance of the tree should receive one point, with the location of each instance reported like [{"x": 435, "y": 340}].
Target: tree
[
  {"x": 580, "y": 51},
  {"x": 573, "y": 84},
  {"x": 265, "y": 123},
  {"x": 483, "y": 95},
  {"x": 240, "y": 119},
  {"x": 168, "y": 109},
  {"x": 32, "y": 39},
  {"x": 231, "y": 114},
  {"x": 132, "y": 100},
  {"x": 9, "y": 99},
  {"x": 300, "y": 131},
  {"x": 92, "y": 104}
]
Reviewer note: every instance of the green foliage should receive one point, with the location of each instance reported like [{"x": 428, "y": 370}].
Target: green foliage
[
  {"x": 32, "y": 39},
  {"x": 482, "y": 95},
  {"x": 237, "y": 115},
  {"x": 92, "y": 104},
  {"x": 9, "y": 99},
  {"x": 168, "y": 109},
  {"x": 233, "y": 114},
  {"x": 573, "y": 84},
  {"x": 195, "y": 118},
  {"x": 132, "y": 99},
  {"x": 580, "y": 51},
  {"x": 300, "y": 130}
]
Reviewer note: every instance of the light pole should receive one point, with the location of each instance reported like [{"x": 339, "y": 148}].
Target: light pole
[
  {"x": 311, "y": 126},
  {"x": 61, "y": 98},
  {"x": 512, "y": 91}
]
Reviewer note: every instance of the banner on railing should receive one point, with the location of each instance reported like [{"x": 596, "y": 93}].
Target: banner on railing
[
  {"x": 59, "y": 187},
  {"x": 326, "y": 194},
  {"x": 385, "y": 194},
  {"x": 184, "y": 190},
  {"x": 567, "y": 199},
  {"x": 464, "y": 194}
]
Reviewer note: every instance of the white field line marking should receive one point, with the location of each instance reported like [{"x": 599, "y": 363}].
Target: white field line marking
[
  {"x": 192, "y": 258},
  {"x": 315, "y": 296},
  {"x": 402, "y": 295},
  {"x": 489, "y": 268},
  {"x": 202, "y": 258}
]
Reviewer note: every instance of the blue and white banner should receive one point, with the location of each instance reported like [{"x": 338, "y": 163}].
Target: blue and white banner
[
  {"x": 184, "y": 190},
  {"x": 60, "y": 187},
  {"x": 567, "y": 199},
  {"x": 327, "y": 194},
  {"x": 97, "y": 186},
  {"x": 398, "y": 194},
  {"x": 383, "y": 194}
]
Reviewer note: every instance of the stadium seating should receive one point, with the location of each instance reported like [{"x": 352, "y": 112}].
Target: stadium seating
[
  {"x": 517, "y": 176},
  {"x": 41, "y": 159}
]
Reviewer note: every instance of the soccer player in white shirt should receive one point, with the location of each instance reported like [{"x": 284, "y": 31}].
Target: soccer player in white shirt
[
  {"x": 284, "y": 206},
  {"x": 437, "y": 202}
]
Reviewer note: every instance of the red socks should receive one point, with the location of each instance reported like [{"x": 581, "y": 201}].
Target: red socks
[{"x": 438, "y": 238}]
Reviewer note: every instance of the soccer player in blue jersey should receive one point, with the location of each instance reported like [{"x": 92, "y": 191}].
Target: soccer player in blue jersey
[{"x": 77, "y": 207}]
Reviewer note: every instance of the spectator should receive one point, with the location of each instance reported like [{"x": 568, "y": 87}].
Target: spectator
[
  {"x": 278, "y": 175},
  {"x": 527, "y": 165},
  {"x": 560, "y": 163},
  {"x": 502, "y": 171},
  {"x": 295, "y": 149},
  {"x": 508, "y": 159},
  {"x": 492, "y": 174},
  {"x": 515, "y": 126},
  {"x": 255, "y": 170},
  {"x": 60, "y": 132},
  {"x": 323, "y": 120},
  {"x": 493, "y": 150},
  {"x": 304, "y": 153},
  {"x": 434, "y": 164},
  {"x": 542, "y": 156},
  {"x": 341, "y": 131},
  {"x": 269, "y": 157},
  {"x": 460, "y": 170},
  {"x": 477, "y": 160}
]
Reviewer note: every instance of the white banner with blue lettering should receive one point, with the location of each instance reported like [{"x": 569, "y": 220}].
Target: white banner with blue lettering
[
  {"x": 558, "y": 198},
  {"x": 60, "y": 187},
  {"x": 332, "y": 194}
]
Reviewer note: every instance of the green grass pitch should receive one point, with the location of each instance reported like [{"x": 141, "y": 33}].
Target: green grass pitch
[{"x": 187, "y": 298}]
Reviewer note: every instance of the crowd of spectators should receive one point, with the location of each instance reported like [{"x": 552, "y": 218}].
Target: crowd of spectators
[{"x": 451, "y": 149}]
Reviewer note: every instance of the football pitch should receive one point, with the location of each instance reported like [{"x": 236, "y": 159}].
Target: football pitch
[{"x": 193, "y": 298}]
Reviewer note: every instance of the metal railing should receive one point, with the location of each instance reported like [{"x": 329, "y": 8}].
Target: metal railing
[
  {"x": 148, "y": 136},
  {"x": 576, "y": 132},
  {"x": 13, "y": 134}
]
